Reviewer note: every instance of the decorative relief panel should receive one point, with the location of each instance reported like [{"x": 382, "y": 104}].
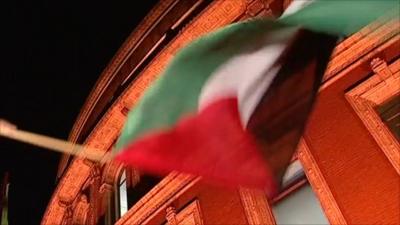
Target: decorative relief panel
[
  {"x": 254, "y": 8},
  {"x": 69, "y": 191},
  {"x": 190, "y": 215},
  {"x": 81, "y": 211},
  {"x": 67, "y": 217},
  {"x": 372, "y": 93},
  {"x": 171, "y": 216}
]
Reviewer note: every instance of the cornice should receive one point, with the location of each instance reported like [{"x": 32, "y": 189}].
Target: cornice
[
  {"x": 116, "y": 62},
  {"x": 110, "y": 72},
  {"x": 360, "y": 44}
]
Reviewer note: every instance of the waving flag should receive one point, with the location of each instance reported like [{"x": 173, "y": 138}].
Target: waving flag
[{"x": 232, "y": 105}]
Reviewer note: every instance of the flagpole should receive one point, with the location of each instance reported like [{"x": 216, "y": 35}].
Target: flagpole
[{"x": 9, "y": 131}]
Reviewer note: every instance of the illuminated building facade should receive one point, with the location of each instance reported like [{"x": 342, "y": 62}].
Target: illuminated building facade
[{"x": 346, "y": 170}]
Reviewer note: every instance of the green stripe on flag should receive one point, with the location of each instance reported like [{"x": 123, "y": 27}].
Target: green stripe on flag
[
  {"x": 341, "y": 17},
  {"x": 175, "y": 93}
]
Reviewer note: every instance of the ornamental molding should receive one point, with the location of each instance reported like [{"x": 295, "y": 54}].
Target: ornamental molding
[
  {"x": 81, "y": 211},
  {"x": 171, "y": 216},
  {"x": 319, "y": 185},
  {"x": 359, "y": 45},
  {"x": 190, "y": 215},
  {"x": 159, "y": 198},
  {"x": 110, "y": 72},
  {"x": 111, "y": 173},
  {"x": 116, "y": 62},
  {"x": 256, "y": 207}
]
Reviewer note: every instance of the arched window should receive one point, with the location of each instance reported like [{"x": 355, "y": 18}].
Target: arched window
[{"x": 130, "y": 188}]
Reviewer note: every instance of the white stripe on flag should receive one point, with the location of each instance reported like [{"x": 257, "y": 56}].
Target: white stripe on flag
[
  {"x": 246, "y": 76},
  {"x": 295, "y": 6}
]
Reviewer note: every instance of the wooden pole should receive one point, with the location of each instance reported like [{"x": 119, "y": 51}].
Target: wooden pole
[{"x": 10, "y": 131}]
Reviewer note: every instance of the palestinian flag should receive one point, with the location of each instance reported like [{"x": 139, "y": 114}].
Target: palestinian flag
[{"x": 232, "y": 105}]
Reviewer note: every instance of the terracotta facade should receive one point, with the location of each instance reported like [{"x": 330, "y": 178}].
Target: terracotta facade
[{"x": 350, "y": 158}]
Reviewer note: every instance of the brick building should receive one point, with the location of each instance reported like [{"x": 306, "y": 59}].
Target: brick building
[{"x": 346, "y": 170}]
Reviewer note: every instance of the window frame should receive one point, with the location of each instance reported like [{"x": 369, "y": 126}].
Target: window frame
[{"x": 364, "y": 98}]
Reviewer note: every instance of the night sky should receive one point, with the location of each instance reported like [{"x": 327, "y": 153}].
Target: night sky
[{"x": 52, "y": 54}]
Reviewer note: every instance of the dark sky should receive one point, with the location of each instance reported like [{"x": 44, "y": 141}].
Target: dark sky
[{"x": 52, "y": 54}]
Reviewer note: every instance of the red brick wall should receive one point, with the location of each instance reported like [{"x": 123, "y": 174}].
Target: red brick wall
[
  {"x": 361, "y": 178},
  {"x": 218, "y": 205}
]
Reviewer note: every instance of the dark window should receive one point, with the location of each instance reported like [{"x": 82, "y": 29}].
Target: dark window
[
  {"x": 389, "y": 113},
  {"x": 129, "y": 193},
  {"x": 126, "y": 194}
]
